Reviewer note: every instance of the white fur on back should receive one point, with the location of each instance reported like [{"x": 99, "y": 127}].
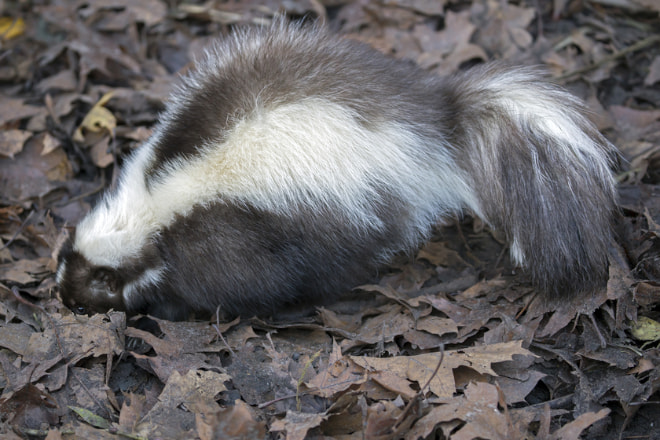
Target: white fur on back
[{"x": 312, "y": 155}]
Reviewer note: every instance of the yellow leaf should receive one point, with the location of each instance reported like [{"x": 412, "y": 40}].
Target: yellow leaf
[
  {"x": 11, "y": 27},
  {"x": 97, "y": 123},
  {"x": 645, "y": 329},
  {"x": 90, "y": 418}
]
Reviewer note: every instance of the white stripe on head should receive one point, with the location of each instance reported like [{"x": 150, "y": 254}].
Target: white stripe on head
[{"x": 61, "y": 270}]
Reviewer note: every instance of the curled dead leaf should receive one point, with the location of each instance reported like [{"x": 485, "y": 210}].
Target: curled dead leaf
[{"x": 98, "y": 123}]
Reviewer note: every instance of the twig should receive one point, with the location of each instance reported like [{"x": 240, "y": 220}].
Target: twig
[
  {"x": 634, "y": 48},
  {"x": 420, "y": 394},
  {"x": 216, "y": 326},
  {"x": 305, "y": 393}
]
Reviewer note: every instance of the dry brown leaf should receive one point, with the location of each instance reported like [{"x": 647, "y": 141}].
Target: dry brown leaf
[
  {"x": 131, "y": 411},
  {"x": 384, "y": 327},
  {"x": 25, "y": 271},
  {"x": 384, "y": 420},
  {"x": 12, "y": 109},
  {"x": 426, "y": 7},
  {"x": 238, "y": 337},
  {"x": 456, "y": 312},
  {"x": 345, "y": 420},
  {"x": 100, "y": 153},
  {"x": 446, "y": 50},
  {"x": 296, "y": 425},
  {"x": 64, "y": 80},
  {"x": 236, "y": 422},
  {"x": 394, "y": 382},
  {"x": 15, "y": 336},
  {"x": 502, "y": 27},
  {"x": 334, "y": 320},
  {"x": 572, "y": 430},
  {"x": 486, "y": 422},
  {"x": 11, "y": 142},
  {"x": 632, "y": 5},
  {"x": 31, "y": 174},
  {"x": 516, "y": 390},
  {"x": 339, "y": 375},
  {"x": 438, "y": 254},
  {"x": 79, "y": 335},
  {"x": 421, "y": 367},
  {"x": 164, "y": 365},
  {"x": 196, "y": 388},
  {"x": 49, "y": 143},
  {"x": 632, "y": 124},
  {"x": 647, "y": 294},
  {"x": 29, "y": 407},
  {"x": 436, "y": 325},
  {"x": 149, "y": 12},
  {"x": 479, "y": 411}
]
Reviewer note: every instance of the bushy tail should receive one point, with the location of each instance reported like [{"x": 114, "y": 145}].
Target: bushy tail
[{"x": 541, "y": 172}]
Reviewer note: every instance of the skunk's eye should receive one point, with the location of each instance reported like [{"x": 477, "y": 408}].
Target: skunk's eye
[{"x": 80, "y": 310}]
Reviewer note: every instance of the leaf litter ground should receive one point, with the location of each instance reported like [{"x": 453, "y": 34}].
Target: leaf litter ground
[{"x": 449, "y": 343}]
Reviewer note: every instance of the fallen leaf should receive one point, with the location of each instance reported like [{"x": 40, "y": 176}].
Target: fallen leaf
[
  {"x": 426, "y": 7},
  {"x": 25, "y": 271},
  {"x": 633, "y": 124},
  {"x": 168, "y": 417},
  {"x": 15, "y": 336},
  {"x": 149, "y": 12},
  {"x": 28, "y": 408},
  {"x": 90, "y": 418},
  {"x": 11, "y": 142},
  {"x": 436, "y": 325},
  {"x": 97, "y": 123},
  {"x": 479, "y": 412},
  {"x": 645, "y": 329},
  {"x": 131, "y": 411},
  {"x": 31, "y": 174},
  {"x": 296, "y": 425},
  {"x": 11, "y": 27},
  {"x": 236, "y": 422},
  {"x": 13, "y": 109},
  {"x": 420, "y": 368},
  {"x": 572, "y": 430}
]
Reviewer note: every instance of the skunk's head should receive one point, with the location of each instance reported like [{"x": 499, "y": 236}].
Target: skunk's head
[{"x": 87, "y": 288}]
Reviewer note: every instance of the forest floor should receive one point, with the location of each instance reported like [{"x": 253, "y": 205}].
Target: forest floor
[{"x": 449, "y": 343}]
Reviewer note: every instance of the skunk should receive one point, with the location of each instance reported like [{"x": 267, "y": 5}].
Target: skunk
[{"x": 291, "y": 164}]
